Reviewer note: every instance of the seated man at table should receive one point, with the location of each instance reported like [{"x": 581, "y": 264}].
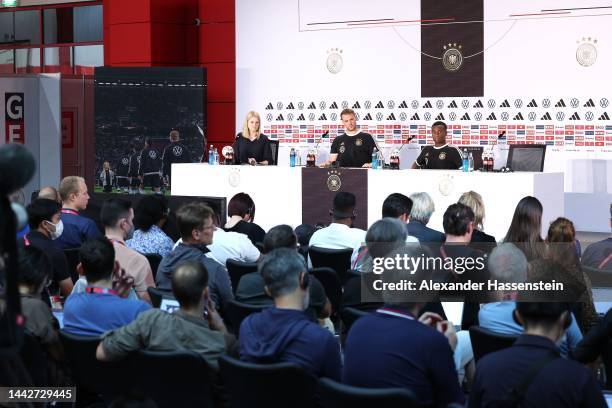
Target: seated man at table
[
  {"x": 441, "y": 155},
  {"x": 353, "y": 148}
]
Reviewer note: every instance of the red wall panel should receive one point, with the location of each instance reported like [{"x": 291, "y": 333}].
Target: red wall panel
[
  {"x": 217, "y": 11},
  {"x": 221, "y": 82},
  {"x": 126, "y": 12},
  {"x": 221, "y": 122},
  {"x": 217, "y": 42},
  {"x": 130, "y": 43}
]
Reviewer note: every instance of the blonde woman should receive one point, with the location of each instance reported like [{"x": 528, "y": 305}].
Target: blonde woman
[
  {"x": 252, "y": 146},
  {"x": 480, "y": 240}
]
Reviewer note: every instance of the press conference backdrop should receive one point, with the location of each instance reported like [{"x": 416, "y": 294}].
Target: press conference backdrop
[{"x": 535, "y": 69}]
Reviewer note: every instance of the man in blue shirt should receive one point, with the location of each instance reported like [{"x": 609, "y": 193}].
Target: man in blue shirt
[
  {"x": 77, "y": 229},
  {"x": 284, "y": 333},
  {"x": 100, "y": 308},
  {"x": 550, "y": 381}
]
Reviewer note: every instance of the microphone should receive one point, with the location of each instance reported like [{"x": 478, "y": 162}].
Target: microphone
[
  {"x": 405, "y": 143},
  {"x": 502, "y": 135},
  {"x": 321, "y": 138}
]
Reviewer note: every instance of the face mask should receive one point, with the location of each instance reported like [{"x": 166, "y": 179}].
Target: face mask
[{"x": 59, "y": 228}]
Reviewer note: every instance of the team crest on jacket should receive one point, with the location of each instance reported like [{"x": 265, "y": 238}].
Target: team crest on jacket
[
  {"x": 177, "y": 150},
  {"x": 358, "y": 142},
  {"x": 342, "y": 148},
  {"x": 442, "y": 156},
  {"x": 152, "y": 154}
]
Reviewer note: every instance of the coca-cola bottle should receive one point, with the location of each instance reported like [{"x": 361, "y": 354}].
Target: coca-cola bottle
[
  {"x": 394, "y": 160},
  {"x": 311, "y": 158}
]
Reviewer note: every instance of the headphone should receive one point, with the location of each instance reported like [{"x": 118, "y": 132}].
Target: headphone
[{"x": 305, "y": 281}]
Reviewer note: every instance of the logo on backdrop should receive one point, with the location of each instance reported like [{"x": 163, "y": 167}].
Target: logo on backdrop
[
  {"x": 452, "y": 58},
  {"x": 333, "y": 180},
  {"x": 586, "y": 54},
  {"x": 334, "y": 60},
  {"x": 14, "y": 118}
]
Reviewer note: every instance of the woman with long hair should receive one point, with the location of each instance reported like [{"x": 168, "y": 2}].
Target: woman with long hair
[
  {"x": 252, "y": 146},
  {"x": 524, "y": 231}
]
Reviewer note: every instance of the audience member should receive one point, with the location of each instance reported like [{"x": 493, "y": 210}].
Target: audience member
[
  {"x": 195, "y": 223},
  {"x": 100, "y": 308},
  {"x": 184, "y": 329},
  {"x": 340, "y": 234},
  {"x": 531, "y": 372},
  {"x": 480, "y": 240},
  {"x": 524, "y": 231},
  {"x": 241, "y": 213},
  {"x": 149, "y": 218},
  {"x": 422, "y": 209},
  {"x": 49, "y": 193},
  {"x": 284, "y": 333},
  {"x": 44, "y": 218},
  {"x": 232, "y": 245},
  {"x": 598, "y": 255},
  {"x": 594, "y": 343},
  {"x": 77, "y": 228},
  {"x": 251, "y": 287},
  {"x": 561, "y": 240},
  {"x": 35, "y": 270},
  {"x": 394, "y": 348},
  {"x": 507, "y": 263},
  {"x": 117, "y": 218}
]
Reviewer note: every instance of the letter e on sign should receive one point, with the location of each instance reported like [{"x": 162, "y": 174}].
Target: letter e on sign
[{"x": 14, "y": 118}]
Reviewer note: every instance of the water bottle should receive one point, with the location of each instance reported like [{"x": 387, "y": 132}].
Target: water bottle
[
  {"x": 375, "y": 159},
  {"x": 216, "y": 156},
  {"x": 466, "y": 162},
  {"x": 471, "y": 162},
  {"x": 381, "y": 161},
  {"x": 211, "y": 155},
  {"x": 292, "y": 157}
]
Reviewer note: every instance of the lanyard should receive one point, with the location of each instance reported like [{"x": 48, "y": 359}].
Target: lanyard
[
  {"x": 92, "y": 289},
  {"x": 395, "y": 313},
  {"x": 69, "y": 211},
  {"x": 26, "y": 241}
]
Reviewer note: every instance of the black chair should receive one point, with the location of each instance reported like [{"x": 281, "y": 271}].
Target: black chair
[
  {"x": 485, "y": 341},
  {"x": 154, "y": 261},
  {"x": 599, "y": 278},
  {"x": 333, "y": 394},
  {"x": 274, "y": 148},
  {"x": 105, "y": 379},
  {"x": 171, "y": 378},
  {"x": 72, "y": 256},
  {"x": 237, "y": 269},
  {"x": 236, "y": 312},
  {"x": 270, "y": 385},
  {"x": 34, "y": 359},
  {"x": 337, "y": 259},
  {"x": 333, "y": 288},
  {"x": 157, "y": 295},
  {"x": 349, "y": 315}
]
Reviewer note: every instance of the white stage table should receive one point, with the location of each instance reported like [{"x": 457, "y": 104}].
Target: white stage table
[{"x": 277, "y": 191}]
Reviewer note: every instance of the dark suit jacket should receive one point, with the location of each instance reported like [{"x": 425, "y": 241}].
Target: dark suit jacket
[
  {"x": 423, "y": 233},
  {"x": 482, "y": 241}
]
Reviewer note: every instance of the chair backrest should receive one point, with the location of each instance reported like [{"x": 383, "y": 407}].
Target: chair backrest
[
  {"x": 237, "y": 269},
  {"x": 331, "y": 283},
  {"x": 108, "y": 379},
  {"x": 171, "y": 378},
  {"x": 270, "y": 385},
  {"x": 236, "y": 312},
  {"x": 35, "y": 359},
  {"x": 333, "y": 394},
  {"x": 72, "y": 256},
  {"x": 485, "y": 341},
  {"x": 157, "y": 295},
  {"x": 337, "y": 259},
  {"x": 349, "y": 315},
  {"x": 600, "y": 278},
  {"x": 154, "y": 261},
  {"x": 274, "y": 148}
]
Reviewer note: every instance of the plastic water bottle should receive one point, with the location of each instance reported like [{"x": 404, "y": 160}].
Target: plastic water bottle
[
  {"x": 466, "y": 162},
  {"x": 471, "y": 162},
  {"x": 375, "y": 159},
  {"x": 216, "y": 156},
  {"x": 211, "y": 155},
  {"x": 381, "y": 161},
  {"x": 292, "y": 157}
]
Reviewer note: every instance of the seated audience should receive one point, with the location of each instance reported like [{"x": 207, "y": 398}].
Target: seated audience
[
  {"x": 524, "y": 231},
  {"x": 241, "y": 213},
  {"x": 44, "y": 218},
  {"x": 77, "y": 228},
  {"x": 549, "y": 381},
  {"x": 184, "y": 329},
  {"x": 340, "y": 234},
  {"x": 49, "y": 193},
  {"x": 232, "y": 245},
  {"x": 251, "y": 287},
  {"x": 395, "y": 206},
  {"x": 149, "y": 218},
  {"x": 284, "y": 333},
  {"x": 303, "y": 233},
  {"x": 507, "y": 263},
  {"x": 394, "y": 348},
  {"x": 422, "y": 209},
  {"x": 195, "y": 223},
  {"x": 480, "y": 240},
  {"x": 99, "y": 308},
  {"x": 598, "y": 255},
  {"x": 117, "y": 218},
  {"x": 595, "y": 341},
  {"x": 561, "y": 240},
  {"x": 35, "y": 270}
]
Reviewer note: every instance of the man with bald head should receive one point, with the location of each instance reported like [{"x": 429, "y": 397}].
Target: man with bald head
[
  {"x": 184, "y": 329},
  {"x": 50, "y": 193}
]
